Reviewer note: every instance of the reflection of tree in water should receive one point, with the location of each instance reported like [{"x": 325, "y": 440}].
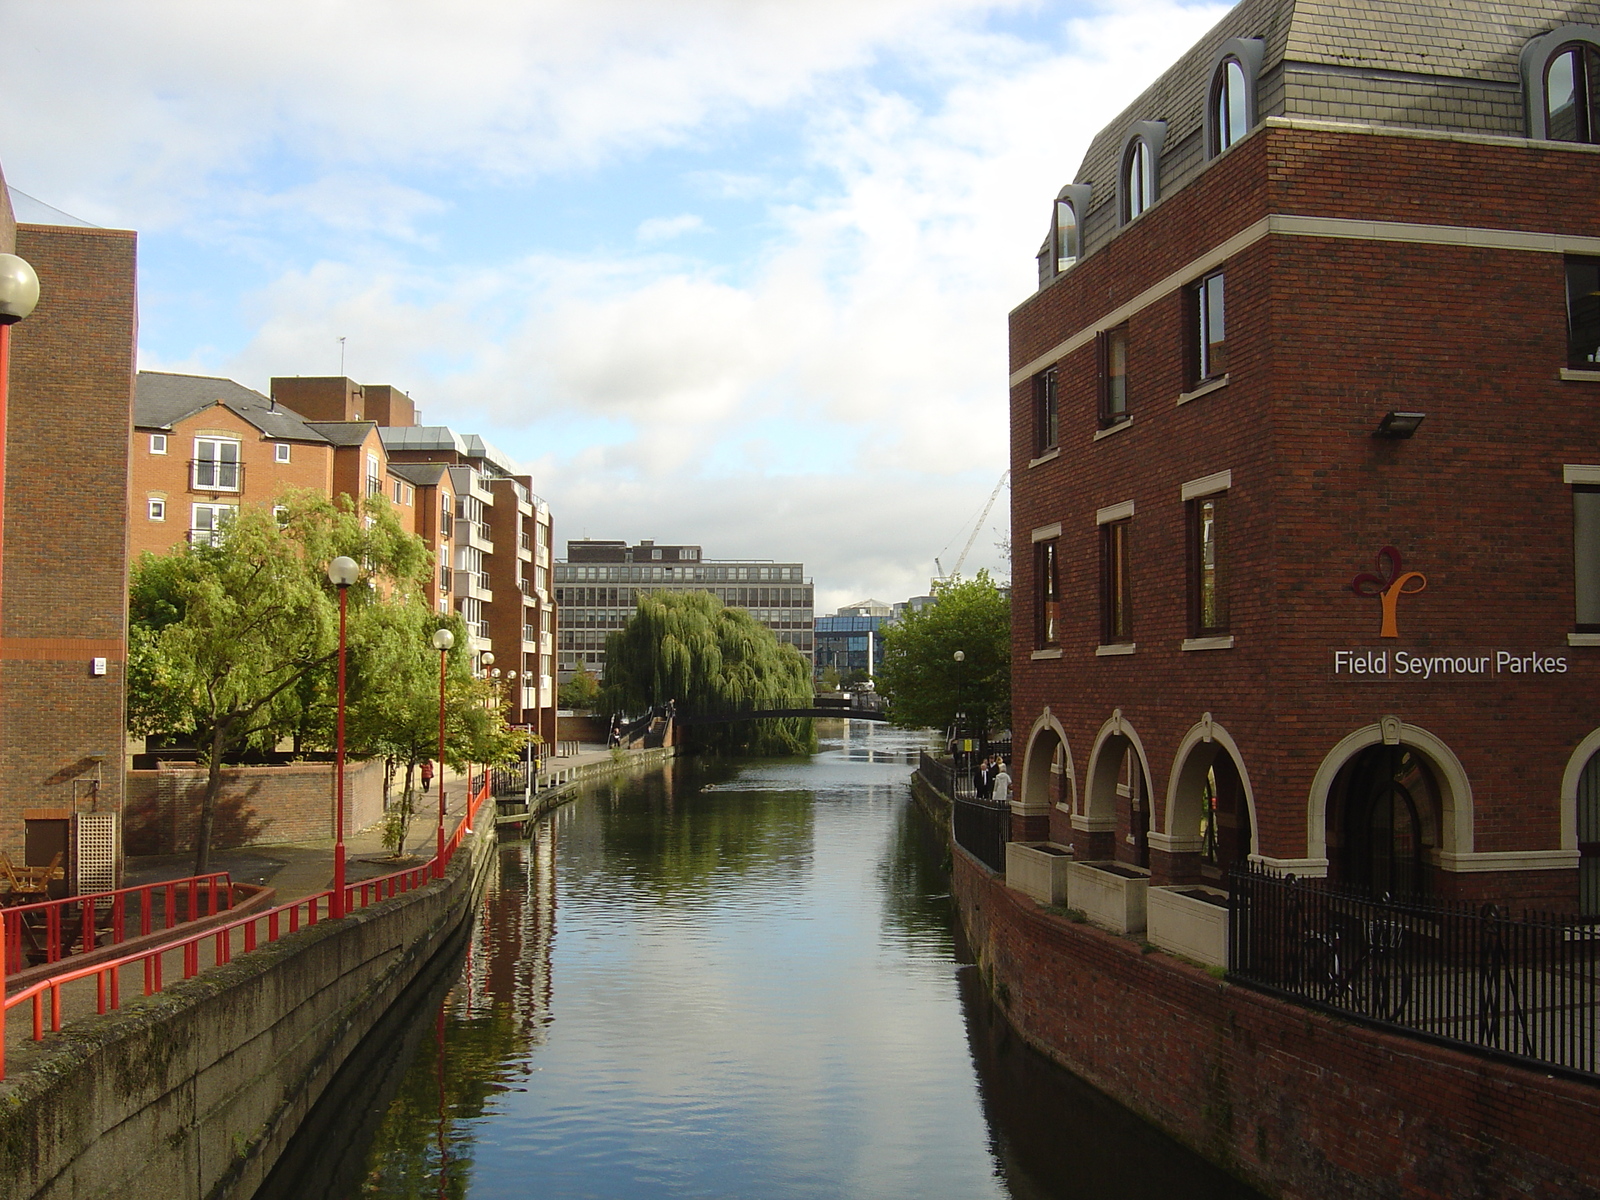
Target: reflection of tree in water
[
  {"x": 916, "y": 882},
  {"x": 1054, "y": 1135},
  {"x": 675, "y": 830}
]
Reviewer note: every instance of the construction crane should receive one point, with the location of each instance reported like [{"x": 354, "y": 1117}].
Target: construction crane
[{"x": 982, "y": 517}]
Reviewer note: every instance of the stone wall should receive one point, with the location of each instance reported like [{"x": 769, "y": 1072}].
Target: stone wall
[
  {"x": 257, "y": 805},
  {"x": 194, "y": 1092},
  {"x": 1301, "y": 1105}
]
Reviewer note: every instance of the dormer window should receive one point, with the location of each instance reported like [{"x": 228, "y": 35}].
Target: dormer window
[
  {"x": 1572, "y": 100},
  {"x": 1140, "y": 180},
  {"x": 1561, "y": 84},
  {"x": 1066, "y": 235},
  {"x": 1231, "y": 111}
]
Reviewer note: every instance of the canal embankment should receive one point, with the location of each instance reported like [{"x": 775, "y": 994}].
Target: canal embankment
[
  {"x": 1300, "y": 1104},
  {"x": 195, "y": 1091}
]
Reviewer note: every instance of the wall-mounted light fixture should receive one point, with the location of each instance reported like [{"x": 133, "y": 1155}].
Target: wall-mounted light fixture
[{"x": 1398, "y": 424}]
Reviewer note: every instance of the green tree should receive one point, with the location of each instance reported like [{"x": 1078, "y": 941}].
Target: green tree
[
  {"x": 921, "y": 679},
  {"x": 686, "y": 647},
  {"x": 581, "y": 691},
  {"x": 224, "y": 638}
]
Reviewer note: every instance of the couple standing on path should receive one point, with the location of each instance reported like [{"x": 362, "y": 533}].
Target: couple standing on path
[{"x": 993, "y": 781}]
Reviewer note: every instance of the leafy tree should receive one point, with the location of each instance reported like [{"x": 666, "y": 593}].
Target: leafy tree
[
  {"x": 581, "y": 691},
  {"x": 224, "y": 638},
  {"x": 924, "y": 684},
  {"x": 686, "y": 647}
]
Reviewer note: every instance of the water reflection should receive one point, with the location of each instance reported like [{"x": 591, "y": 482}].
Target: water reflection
[{"x": 739, "y": 981}]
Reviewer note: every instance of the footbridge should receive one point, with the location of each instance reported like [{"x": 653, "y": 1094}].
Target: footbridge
[{"x": 863, "y": 706}]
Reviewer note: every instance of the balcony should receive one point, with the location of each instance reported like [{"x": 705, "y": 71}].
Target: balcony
[
  {"x": 214, "y": 475},
  {"x": 374, "y": 486},
  {"x": 444, "y": 579},
  {"x": 474, "y": 534}
]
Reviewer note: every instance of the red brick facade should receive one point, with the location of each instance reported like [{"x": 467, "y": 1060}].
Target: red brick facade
[{"x": 1444, "y": 309}]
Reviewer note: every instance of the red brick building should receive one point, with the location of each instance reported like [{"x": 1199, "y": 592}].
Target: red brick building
[
  {"x": 1261, "y": 611},
  {"x": 63, "y": 639}
]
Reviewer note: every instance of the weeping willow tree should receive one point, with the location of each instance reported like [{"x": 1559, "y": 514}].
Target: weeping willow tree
[{"x": 685, "y": 647}]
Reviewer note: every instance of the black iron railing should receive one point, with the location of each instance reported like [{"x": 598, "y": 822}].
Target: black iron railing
[
  {"x": 1527, "y": 987},
  {"x": 982, "y": 830}
]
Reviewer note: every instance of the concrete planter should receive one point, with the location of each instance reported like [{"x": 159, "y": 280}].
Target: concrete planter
[
  {"x": 1039, "y": 869},
  {"x": 1111, "y": 894},
  {"x": 1190, "y": 920}
]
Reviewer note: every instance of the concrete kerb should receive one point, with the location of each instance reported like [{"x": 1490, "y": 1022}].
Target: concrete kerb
[{"x": 194, "y": 1092}]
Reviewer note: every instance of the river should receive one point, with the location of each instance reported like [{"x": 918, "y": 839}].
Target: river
[{"x": 724, "y": 980}]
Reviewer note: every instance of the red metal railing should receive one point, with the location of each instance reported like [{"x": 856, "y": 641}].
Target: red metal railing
[
  {"x": 50, "y": 930},
  {"x": 274, "y": 923}
]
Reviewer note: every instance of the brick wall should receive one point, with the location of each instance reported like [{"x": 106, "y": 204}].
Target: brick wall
[
  {"x": 1302, "y": 1106},
  {"x": 258, "y": 806},
  {"x": 64, "y": 590}
]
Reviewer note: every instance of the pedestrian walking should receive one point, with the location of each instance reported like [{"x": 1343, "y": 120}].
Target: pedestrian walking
[
  {"x": 985, "y": 778},
  {"x": 427, "y": 774},
  {"x": 1002, "y": 785}
]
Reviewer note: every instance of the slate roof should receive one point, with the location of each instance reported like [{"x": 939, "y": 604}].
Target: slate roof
[
  {"x": 1423, "y": 64},
  {"x": 162, "y": 399},
  {"x": 343, "y": 433},
  {"x": 421, "y": 474}
]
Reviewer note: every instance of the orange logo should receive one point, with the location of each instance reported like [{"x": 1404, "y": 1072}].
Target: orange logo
[{"x": 1389, "y": 584}]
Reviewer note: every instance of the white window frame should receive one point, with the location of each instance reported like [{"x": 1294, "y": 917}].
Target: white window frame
[
  {"x": 215, "y": 513},
  {"x": 217, "y": 461},
  {"x": 280, "y": 452},
  {"x": 156, "y": 509},
  {"x": 158, "y": 443}
]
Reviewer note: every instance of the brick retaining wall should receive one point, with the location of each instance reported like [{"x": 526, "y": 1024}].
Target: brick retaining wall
[
  {"x": 257, "y": 806},
  {"x": 1303, "y": 1106}
]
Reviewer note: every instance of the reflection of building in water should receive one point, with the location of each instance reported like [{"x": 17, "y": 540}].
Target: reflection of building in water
[{"x": 508, "y": 963}]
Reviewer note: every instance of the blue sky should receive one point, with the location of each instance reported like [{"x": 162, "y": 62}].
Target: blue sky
[{"x": 731, "y": 272}]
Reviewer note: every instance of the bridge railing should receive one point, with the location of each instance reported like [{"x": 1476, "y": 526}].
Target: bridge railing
[{"x": 259, "y": 928}]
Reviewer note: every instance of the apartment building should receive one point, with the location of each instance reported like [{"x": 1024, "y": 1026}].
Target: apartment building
[
  {"x": 600, "y": 583},
  {"x": 1304, "y": 432}
]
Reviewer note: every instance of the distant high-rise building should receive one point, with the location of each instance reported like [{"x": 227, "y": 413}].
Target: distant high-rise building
[{"x": 599, "y": 585}]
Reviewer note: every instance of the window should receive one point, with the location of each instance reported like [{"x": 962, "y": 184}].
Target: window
[
  {"x": 1066, "y": 239},
  {"x": 1208, "y": 597},
  {"x": 158, "y": 510},
  {"x": 1113, "y": 348},
  {"x": 1211, "y": 332},
  {"x": 1045, "y": 412},
  {"x": 1139, "y": 182},
  {"x": 280, "y": 452},
  {"x": 1228, "y": 114},
  {"x": 216, "y": 465},
  {"x": 1586, "y": 555},
  {"x": 1572, "y": 99},
  {"x": 374, "y": 476},
  {"x": 209, "y": 522},
  {"x": 1116, "y": 583},
  {"x": 1583, "y": 313},
  {"x": 398, "y": 491},
  {"x": 446, "y": 515},
  {"x": 1047, "y": 595},
  {"x": 158, "y": 443},
  {"x": 280, "y": 514}
]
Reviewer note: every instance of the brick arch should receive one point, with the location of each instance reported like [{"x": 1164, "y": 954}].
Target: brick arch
[
  {"x": 1034, "y": 791},
  {"x": 1200, "y": 747},
  {"x": 1455, "y": 790},
  {"x": 1586, "y": 749},
  {"x": 1100, "y": 778}
]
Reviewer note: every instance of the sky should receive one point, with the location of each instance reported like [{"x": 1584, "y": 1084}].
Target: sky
[{"x": 732, "y": 273}]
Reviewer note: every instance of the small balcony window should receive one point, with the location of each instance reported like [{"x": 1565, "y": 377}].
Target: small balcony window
[{"x": 216, "y": 466}]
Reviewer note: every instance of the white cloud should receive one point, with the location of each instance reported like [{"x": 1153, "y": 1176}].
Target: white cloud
[
  {"x": 661, "y": 229},
  {"x": 837, "y": 393}
]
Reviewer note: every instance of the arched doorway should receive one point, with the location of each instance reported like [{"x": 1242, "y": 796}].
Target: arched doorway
[
  {"x": 1133, "y": 809},
  {"x": 1210, "y": 828},
  {"x": 1589, "y": 838},
  {"x": 1225, "y": 833},
  {"x": 1382, "y": 819}
]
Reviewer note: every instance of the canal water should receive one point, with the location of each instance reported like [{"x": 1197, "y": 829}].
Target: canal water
[{"x": 724, "y": 980}]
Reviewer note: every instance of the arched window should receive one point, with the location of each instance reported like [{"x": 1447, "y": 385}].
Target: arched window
[
  {"x": 1138, "y": 180},
  {"x": 1231, "y": 108},
  {"x": 1227, "y": 105},
  {"x": 1561, "y": 84},
  {"x": 1572, "y": 99},
  {"x": 1066, "y": 239}
]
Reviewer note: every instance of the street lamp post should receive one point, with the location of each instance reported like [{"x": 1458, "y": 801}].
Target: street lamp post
[
  {"x": 19, "y": 293},
  {"x": 443, "y": 639},
  {"x": 342, "y": 572},
  {"x": 960, "y": 657}
]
